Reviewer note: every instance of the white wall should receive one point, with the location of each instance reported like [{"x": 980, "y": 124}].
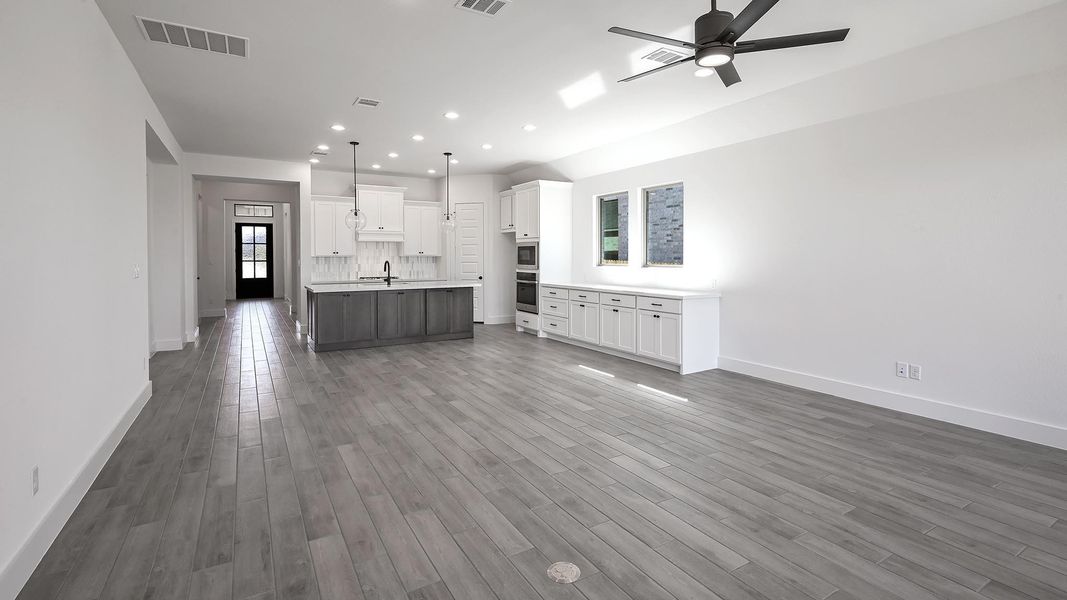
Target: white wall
[
  {"x": 73, "y": 368},
  {"x": 931, "y": 233},
  {"x": 499, "y": 283},
  {"x": 339, "y": 183},
  {"x": 165, "y": 269}
]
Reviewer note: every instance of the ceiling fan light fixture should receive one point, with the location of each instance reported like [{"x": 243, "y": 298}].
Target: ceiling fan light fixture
[{"x": 715, "y": 56}]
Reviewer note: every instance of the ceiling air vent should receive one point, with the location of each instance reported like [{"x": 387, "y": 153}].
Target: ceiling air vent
[
  {"x": 317, "y": 152},
  {"x": 483, "y": 7},
  {"x": 191, "y": 37},
  {"x": 665, "y": 56},
  {"x": 366, "y": 102}
]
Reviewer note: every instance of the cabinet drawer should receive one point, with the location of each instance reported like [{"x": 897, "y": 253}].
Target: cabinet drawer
[
  {"x": 551, "y": 292},
  {"x": 555, "y": 325},
  {"x": 618, "y": 300},
  {"x": 554, "y": 306},
  {"x": 660, "y": 304},
  {"x": 527, "y": 321},
  {"x": 585, "y": 296}
]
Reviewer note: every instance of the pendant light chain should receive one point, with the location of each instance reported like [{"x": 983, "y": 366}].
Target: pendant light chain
[
  {"x": 355, "y": 180},
  {"x": 448, "y": 185}
]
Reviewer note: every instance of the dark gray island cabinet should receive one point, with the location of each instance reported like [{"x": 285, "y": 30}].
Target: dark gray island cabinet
[{"x": 339, "y": 320}]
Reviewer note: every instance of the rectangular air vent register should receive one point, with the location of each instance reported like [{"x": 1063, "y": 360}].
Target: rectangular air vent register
[
  {"x": 488, "y": 8},
  {"x": 185, "y": 36}
]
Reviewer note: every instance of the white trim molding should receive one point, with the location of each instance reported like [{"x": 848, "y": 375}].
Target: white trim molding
[
  {"x": 500, "y": 320},
  {"x": 212, "y": 312},
  {"x": 18, "y": 571},
  {"x": 166, "y": 345},
  {"x": 1014, "y": 427},
  {"x": 192, "y": 336}
]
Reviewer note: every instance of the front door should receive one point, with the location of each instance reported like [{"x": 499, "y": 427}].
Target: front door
[
  {"x": 255, "y": 260},
  {"x": 470, "y": 250}
]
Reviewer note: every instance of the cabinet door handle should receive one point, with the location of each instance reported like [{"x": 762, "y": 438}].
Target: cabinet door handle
[
  {"x": 655, "y": 316},
  {"x": 581, "y": 305},
  {"x": 656, "y": 304},
  {"x": 614, "y": 310},
  {"x": 616, "y": 300}
]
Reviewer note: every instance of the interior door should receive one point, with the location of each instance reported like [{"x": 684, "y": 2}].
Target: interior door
[
  {"x": 470, "y": 250},
  {"x": 254, "y": 260}
]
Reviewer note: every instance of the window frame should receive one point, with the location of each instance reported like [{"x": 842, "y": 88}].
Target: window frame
[
  {"x": 644, "y": 224},
  {"x": 597, "y": 202},
  {"x": 237, "y": 205}
]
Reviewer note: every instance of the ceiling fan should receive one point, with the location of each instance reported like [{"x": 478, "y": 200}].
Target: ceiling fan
[{"x": 717, "y": 34}]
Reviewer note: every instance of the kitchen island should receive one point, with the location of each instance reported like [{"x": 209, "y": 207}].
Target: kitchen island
[{"x": 367, "y": 315}]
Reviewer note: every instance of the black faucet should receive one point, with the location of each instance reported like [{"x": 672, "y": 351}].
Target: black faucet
[{"x": 388, "y": 275}]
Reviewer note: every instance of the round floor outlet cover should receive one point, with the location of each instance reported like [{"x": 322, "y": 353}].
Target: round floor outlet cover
[{"x": 564, "y": 572}]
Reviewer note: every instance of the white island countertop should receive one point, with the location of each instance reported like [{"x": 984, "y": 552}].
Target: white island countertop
[
  {"x": 327, "y": 288},
  {"x": 641, "y": 291}
]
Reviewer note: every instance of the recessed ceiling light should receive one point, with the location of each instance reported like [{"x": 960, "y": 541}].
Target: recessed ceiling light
[
  {"x": 454, "y": 161},
  {"x": 393, "y": 155},
  {"x": 529, "y": 127},
  {"x": 431, "y": 171},
  {"x": 417, "y": 137},
  {"x": 704, "y": 72},
  {"x": 375, "y": 166},
  {"x": 323, "y": 147},
  {"x": 337, "y": 127},
  {"x": 452, "y": 115},
  {"x": 313, "y": 161},
  {"x": 487, "y": 146}
]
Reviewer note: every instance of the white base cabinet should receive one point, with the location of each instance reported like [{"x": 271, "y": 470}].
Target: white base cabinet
[
  {"x": 660, "y": 336},
  {"x": 618, "y": 328},
  {"x": 673, "y": 329}
]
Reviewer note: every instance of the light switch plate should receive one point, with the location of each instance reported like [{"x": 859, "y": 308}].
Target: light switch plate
[{"x": 915, "y": 372}]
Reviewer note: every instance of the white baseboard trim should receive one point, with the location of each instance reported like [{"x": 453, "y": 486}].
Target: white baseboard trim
[
  {"x": 18, "y": 571},
  {"x": 167, "y": 345},
  {"x": 212, "y": 312},
  {"x": 501, "y": 320},
  {"x": 192, "y": 336},
  {"x": 1023, "y": 429}
]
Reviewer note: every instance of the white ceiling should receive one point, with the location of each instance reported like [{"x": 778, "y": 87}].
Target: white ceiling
[{"x": 308, "y": 61}]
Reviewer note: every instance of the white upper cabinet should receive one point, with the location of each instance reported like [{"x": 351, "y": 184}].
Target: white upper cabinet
[
  {"x": 330, "y": 235},
  {"x": 384, "y": 209},
  {"x": 527, "y": 213},
  {"x": 507, "y": 211},
  {"x": 422, "y": 235}
]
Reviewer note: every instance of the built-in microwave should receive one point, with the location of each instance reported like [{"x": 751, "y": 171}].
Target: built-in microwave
[{"x": 526, "y": 256}]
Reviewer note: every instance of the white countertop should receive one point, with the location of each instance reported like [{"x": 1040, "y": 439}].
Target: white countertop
[
  {"x": 642, "y": 291},
  {"x": 326, "y": 288}
]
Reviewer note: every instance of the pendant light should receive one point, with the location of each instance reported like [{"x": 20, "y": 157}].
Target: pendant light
[
  {"x": 448, "y": 223},
  {"x": 355, "y": 220}
]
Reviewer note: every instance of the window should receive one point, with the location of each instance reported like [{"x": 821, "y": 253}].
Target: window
[
  {"x": 663, "y": 226},
  {"x": 253, "y": 210},
  {"x": 253, "y": 252},
  {"x": 614, "y": 231}
]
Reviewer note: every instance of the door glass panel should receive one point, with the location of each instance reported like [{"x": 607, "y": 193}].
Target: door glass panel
[
  {"x": 246, "y": 251},
  {"x": 247, "y": 270},
  {"x": 261, "y": 270},
  {"x": 261, "y": 252},
  {"x": 261, "y": 235},
  {"x": 247, "y": 235}
]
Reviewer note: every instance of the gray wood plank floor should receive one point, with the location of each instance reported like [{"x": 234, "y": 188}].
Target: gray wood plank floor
[{"x": 464, "y": 469}]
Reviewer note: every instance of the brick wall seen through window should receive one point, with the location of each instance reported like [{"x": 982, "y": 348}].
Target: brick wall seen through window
[{"x": 664, "y": 211}]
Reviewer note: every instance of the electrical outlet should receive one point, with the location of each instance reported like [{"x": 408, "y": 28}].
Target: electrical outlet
[
  {"x": 915, "y": 372},
  {"x": 902, "y": 370},
  {"x": 36, "y": 480}
]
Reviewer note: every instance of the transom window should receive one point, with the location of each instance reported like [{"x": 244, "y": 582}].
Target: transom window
[
  {"x": 614, "y": 213},
  {"x": 253, "y": 210},
  {"x": 253, "y": 252},
  {"x": 664, "y": 213}
]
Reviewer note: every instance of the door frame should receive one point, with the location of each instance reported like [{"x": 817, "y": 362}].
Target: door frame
[{"x": 266, "y": 289}]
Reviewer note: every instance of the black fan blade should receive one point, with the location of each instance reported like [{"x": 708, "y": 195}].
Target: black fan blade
[
  {"x": 659, "y": 39},
  {"x": 791, "y": 41},
  {"x": 728, "y": 74},
  {"x": 748, "y": 17},
  {"x": 658, "y": 69}
]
